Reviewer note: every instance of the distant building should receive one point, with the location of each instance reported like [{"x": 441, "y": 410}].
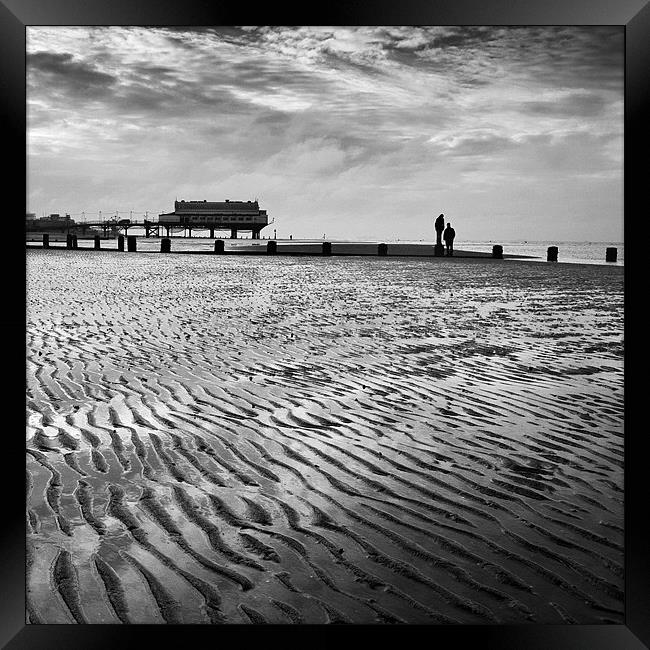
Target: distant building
[
  {"x": 53, "y": 221},
  {"x": 217, "y": 215}
]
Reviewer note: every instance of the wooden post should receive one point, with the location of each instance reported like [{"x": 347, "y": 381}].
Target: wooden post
[
  {"x": 327, "y": 248},
  {"x": 382, "y": 249},
  {"x": 68, "y": 241},
  {"x": 218, "y": 246},
  {"x": 610, "y": 254},
  {"x": 272, "y": 247},
  {"x": 46, "y": 241},
  {"x": 497, "y": 252},
  {"x": 131, "y": 245},
  {"x": 165, "y": 245},
  {"x": 120, "y": 242},
  {"x": 74, "y": 242},
  {"x": 551, "y": 254},
  {"x": 97, "y": 243}
]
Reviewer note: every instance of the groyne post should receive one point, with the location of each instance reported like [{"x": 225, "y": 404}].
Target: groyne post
[
  {"x": 97, "y": 243},
  {"x": 327, "y": 248},
  {"x": 68, "y": 241},
  {"x": 120, "y": 242},
  {"x": 497, "y": 252},
  {"x": 382, "y": 249},
  {"x": 165, "y": 245},
  {"x": 75, "y": 245},
  {"x": 131, "y": 245},
  {"x": 439, "y": 250},
  {"x": 551, "y": 254},
  {"x": 271, "y": 247},
  {"x": 46, "y": 241},
  {"x": 610, "y": 254},
  {"x": 219, "y": 246}
]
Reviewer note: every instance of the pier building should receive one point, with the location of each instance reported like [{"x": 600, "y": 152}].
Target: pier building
[{"x": 216, "y": 215}]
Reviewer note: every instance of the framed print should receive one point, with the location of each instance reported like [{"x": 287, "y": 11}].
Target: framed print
[{"x": 327, "y": 323}]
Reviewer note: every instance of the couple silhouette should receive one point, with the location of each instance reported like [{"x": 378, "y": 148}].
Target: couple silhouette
[{"x": 447, "y": 234}]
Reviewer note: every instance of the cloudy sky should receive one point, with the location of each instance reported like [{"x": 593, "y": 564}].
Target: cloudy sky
[{"x": 362, "y": 132}]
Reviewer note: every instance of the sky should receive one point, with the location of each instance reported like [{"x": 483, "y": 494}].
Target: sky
[{"x": 349, "y": 132}]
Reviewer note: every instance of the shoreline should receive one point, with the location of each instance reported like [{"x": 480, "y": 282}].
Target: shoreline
[{"x": 364, "y": 250}]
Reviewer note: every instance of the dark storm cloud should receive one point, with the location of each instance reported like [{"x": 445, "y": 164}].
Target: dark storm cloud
[
  {"x": 575, "y": 57},
  {"x": 64, "y": 71},
  {"x": 575, "y": 105},
  {"x": 262, "y": 74},
  {"x": 161, "y": 102},
  {"x": 338, "y": 60},
  {"x": 273, "y": 118},
  {"x": 465, "y": 36}
]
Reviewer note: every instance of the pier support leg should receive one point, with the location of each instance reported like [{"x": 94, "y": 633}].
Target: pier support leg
[
  {"x": 233, "y": 233},
  {"x": 219, "y": 246},
  {"x": 131, "y": 244},
  {"x": 211, "y": 233}
]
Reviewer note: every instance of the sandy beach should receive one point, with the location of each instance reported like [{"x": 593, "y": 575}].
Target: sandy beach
[{"x": 230, "y": 439}]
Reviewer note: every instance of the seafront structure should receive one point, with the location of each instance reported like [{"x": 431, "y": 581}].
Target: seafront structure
[{"x": 216, "y": 215}]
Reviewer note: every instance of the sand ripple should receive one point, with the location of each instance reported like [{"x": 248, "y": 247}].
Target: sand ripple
[{"x": 232, "y": 440}]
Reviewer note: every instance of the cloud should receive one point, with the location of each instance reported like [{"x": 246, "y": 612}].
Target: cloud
[
  {"x": 323, "y": 120},
  {"x": 574, "y": 105},
  {"x": 61, "y": 71}
]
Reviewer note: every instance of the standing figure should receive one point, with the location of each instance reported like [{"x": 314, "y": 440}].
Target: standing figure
[
  {"x": 448, "y": 236},
  {"x": 440, "y": 226}
]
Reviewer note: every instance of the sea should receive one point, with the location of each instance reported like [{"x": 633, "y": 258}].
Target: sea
[{"x": 573, "y": 252}]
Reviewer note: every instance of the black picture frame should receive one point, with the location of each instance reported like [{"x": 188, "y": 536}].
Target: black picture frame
[{"x": 15, "y": 15}]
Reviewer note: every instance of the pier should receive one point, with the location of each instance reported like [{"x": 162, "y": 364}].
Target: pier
[{"x": 110, "y": 228}]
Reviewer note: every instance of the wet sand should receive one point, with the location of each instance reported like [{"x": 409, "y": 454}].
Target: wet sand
[{"x": 310, "y": 440}]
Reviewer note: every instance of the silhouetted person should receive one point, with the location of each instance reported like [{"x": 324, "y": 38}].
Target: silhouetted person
[
  {"x": 448, "y": 236},
  {"x": 439, "y": 226}
]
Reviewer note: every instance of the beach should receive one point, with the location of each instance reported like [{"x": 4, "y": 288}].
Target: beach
[{"x": 276, "y": 439}]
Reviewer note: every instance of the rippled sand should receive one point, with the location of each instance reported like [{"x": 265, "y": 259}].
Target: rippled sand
[{"x": 309, "y": 440}]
